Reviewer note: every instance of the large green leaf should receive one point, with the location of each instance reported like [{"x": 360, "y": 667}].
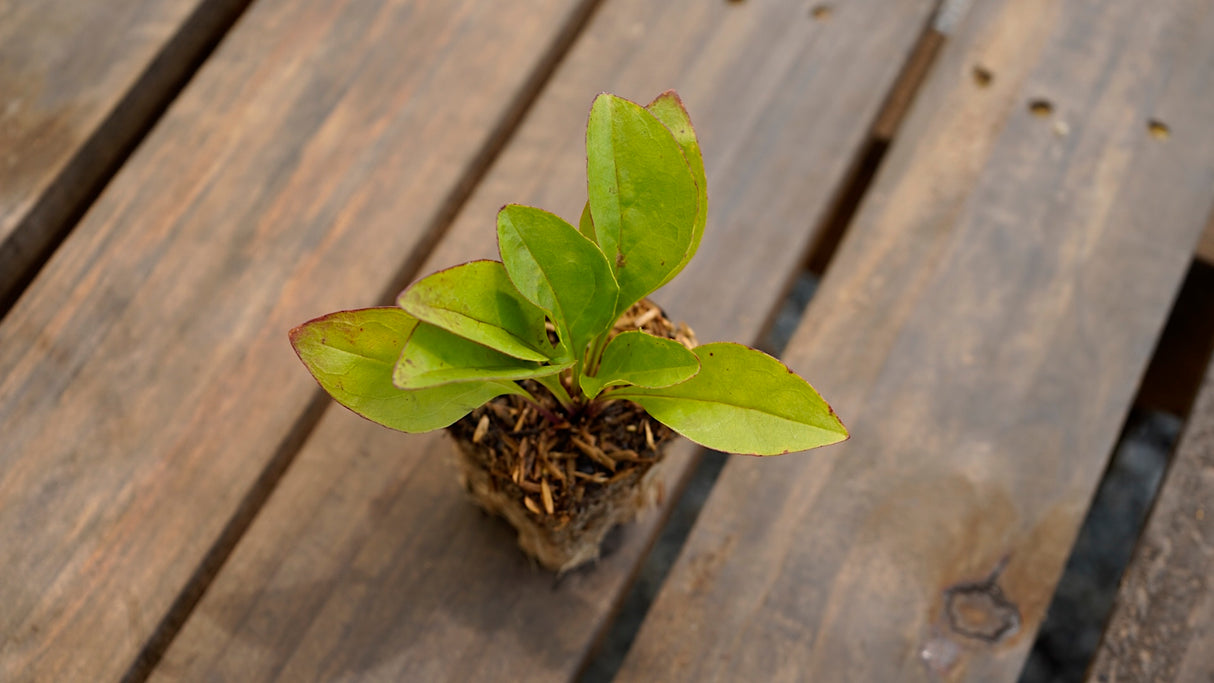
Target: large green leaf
[
  {"x": 643, "y": 360},
  {"x": 559, "y": 270},
  {"x": 643, "y": 196},
  {"x": 742, "y": 401},
  {"x": 669, "y": 109},
  {"x": 352, "y": 353},
  {"x": 433, "y": 356},
  {"x": 477, "y": 301}
]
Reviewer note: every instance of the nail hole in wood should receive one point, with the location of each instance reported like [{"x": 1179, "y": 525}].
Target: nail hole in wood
[
  {"x": 982, "y": 76},
  {"x": 1040, "y": 107},
  {"x": 1158, "y": 129},
  {"x": 820, "y": 12}
]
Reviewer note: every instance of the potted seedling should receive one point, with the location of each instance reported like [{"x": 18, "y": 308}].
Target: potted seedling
[{"x": 558, "y": 379}]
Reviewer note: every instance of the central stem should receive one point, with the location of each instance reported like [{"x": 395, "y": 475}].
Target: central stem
[{"x": 553, "y": 383}]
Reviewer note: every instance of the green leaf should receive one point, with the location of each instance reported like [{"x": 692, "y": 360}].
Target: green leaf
[
  {"x": 669, "y": 109},
  {"x": 742, "y": 401},
  {"x": 643, "y": 196},
  {"x": 477, "y": 301},
  {"x": 559, "y": 270},
  {"x": 433, "y": 356},
  {"x": 352, "y": 353},
  {"x": 641, "y": 359}
]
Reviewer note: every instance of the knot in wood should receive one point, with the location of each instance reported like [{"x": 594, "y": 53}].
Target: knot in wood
[{"x": 981, "y": 612}]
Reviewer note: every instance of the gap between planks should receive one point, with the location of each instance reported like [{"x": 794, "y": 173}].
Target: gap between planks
[
  {"x": 1166, "y": 395},
  {"x": 865, "y": 166},
  {"x": 1162, "y": 611},
  {"x": 1183, "y": 351},
  {"x": 1130, "y": 486},
  {"x": 61, "y": 204},
  {"x": 254, "y": 500}
]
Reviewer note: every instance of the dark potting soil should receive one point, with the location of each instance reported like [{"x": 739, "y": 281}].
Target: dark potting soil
[
  {"x": 559, "y": 464},
  {"x": 559, "y": 461}
]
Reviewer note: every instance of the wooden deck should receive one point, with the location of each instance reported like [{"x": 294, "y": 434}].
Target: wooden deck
[{"x": 181, "y": 181}]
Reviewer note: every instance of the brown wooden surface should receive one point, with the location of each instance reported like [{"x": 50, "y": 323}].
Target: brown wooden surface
[
  {"x": 981, "y": 331},
  {"x": 368, "y": 562},
  {"x": 79, "y": 82},
  {"x": 1163, "y": 621},
  {"x": 145, "y": 377}
]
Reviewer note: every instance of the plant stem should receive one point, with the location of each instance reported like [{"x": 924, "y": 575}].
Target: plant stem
[
  {"x": 596, "y": 353},
  {"x": 553, "y": 384},
  {"x": 548, "y": 415}
]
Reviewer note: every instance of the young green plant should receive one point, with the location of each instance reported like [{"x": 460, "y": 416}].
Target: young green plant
[{"x": 465, "y": 335}]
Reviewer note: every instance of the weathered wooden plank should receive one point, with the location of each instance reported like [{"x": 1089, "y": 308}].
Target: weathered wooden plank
[
  {"x": 145, "y": 377},
  {"x": 981, "y": 331},
  {"x": 1163, "y": 620},
  {"x": 368, "y": 561},
  {"x": 79, "y": 83}
]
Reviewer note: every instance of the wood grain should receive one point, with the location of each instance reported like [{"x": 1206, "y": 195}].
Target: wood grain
[
  {"x": 1163, "y": 620},
  {"x": 981, "y": 332},
  {"x": 80, "y": 82},
  {"x": 368, "y": 562},
  {"x": 145, "y": 376}
]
